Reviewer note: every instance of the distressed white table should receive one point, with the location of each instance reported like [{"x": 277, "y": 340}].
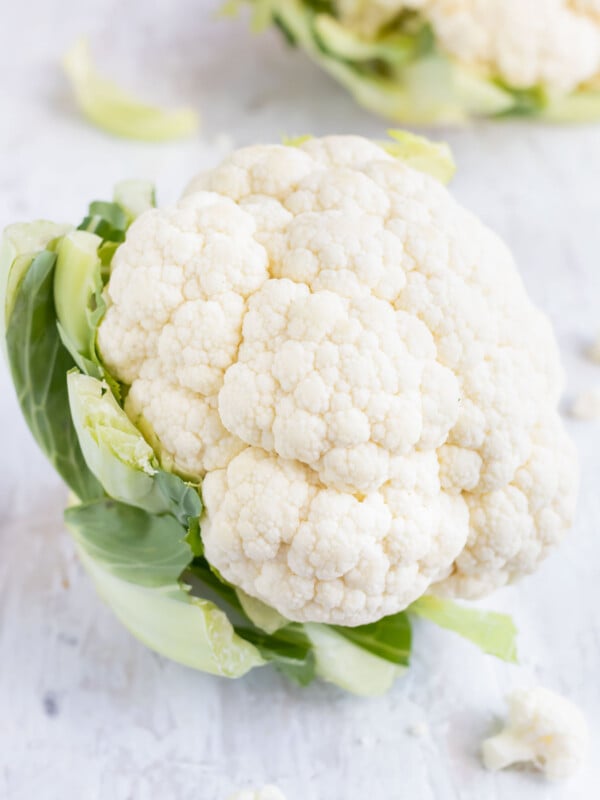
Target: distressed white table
[{"x": 86, "y": 713}]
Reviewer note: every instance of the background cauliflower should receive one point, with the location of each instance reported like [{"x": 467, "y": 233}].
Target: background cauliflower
[
  {"x": 443, "y": 60},
  {"x": 526, "y": 43},
  {"x": 349, "y": 362}
]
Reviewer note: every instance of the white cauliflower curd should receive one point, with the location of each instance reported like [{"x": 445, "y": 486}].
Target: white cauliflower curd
[
  {"x": 349, "y": 362},
  {"x": 553, "y": 43},
  {"x": 545, "y": 730}
]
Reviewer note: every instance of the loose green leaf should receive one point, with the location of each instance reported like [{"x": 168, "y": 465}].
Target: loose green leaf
[
  {"x": 110, "y": 108},
  {"x": 136, "y": 560},
  {"x": 492, "y": 632},
  {"x": 389, "y": 638},
  {"x": 39, "y": 363},
  {"x": 434, "y": 158}
]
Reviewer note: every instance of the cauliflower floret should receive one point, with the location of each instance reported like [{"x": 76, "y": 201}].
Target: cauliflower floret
[
  {"x": 349, "y": 361},
  {"x": 177, "y": 299},
  {"x": 332, "y": 383},
  {"x": 555, "y": 43},
  {"x": 277, "y": 532},
  {"x": 543, "y": 729},
  {"x": 512, "y": 528}
]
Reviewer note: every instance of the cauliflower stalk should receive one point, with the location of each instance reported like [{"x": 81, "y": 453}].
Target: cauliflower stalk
[
  {"x": 544, "y": 730},
  {"x": 291, "y": 405},
  {"x": 424, "y": 61}
]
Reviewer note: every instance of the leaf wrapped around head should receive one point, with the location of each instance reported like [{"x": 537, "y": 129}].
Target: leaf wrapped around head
[
  {"x": 492, "y": 632},
  {"x": 136, "y": 559},
  {"x": 39, "y": 363}
]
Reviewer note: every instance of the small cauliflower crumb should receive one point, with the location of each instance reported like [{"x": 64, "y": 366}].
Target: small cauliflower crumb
[
  {"x": 266, "y": 793},
  {"x": 587, "y": 405},
  {"x": 543, "y": 729}
]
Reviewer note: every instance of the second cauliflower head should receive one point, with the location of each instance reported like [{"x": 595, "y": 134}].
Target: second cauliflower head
[
  {"x": 446, "y": 61},
  {"x": 555, "y": 43},
  {"x": 349, "y": 362}
]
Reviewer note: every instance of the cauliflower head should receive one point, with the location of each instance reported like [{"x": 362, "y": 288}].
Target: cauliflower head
[
  {"x": 526, "y": 43},
  {"x": 543, "y": 729},
  {"x": 444, "y": 61},
  {"x": 349, "y": 362}
]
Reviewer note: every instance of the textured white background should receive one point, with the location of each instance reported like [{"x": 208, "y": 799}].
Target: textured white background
[{"x": 86, "y": 713}]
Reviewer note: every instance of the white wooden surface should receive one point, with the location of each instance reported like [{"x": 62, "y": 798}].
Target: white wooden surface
[{"x": 86, "y": 713}]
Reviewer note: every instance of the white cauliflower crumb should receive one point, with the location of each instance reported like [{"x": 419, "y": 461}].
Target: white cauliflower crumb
[
  {"x": 268, "y": 792},
  {"x": 555, "y": 44},
  {"x": 545, "y": 730},
  {"x": 586, "y": 405},
  {"x": 349, "y": 362}
]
